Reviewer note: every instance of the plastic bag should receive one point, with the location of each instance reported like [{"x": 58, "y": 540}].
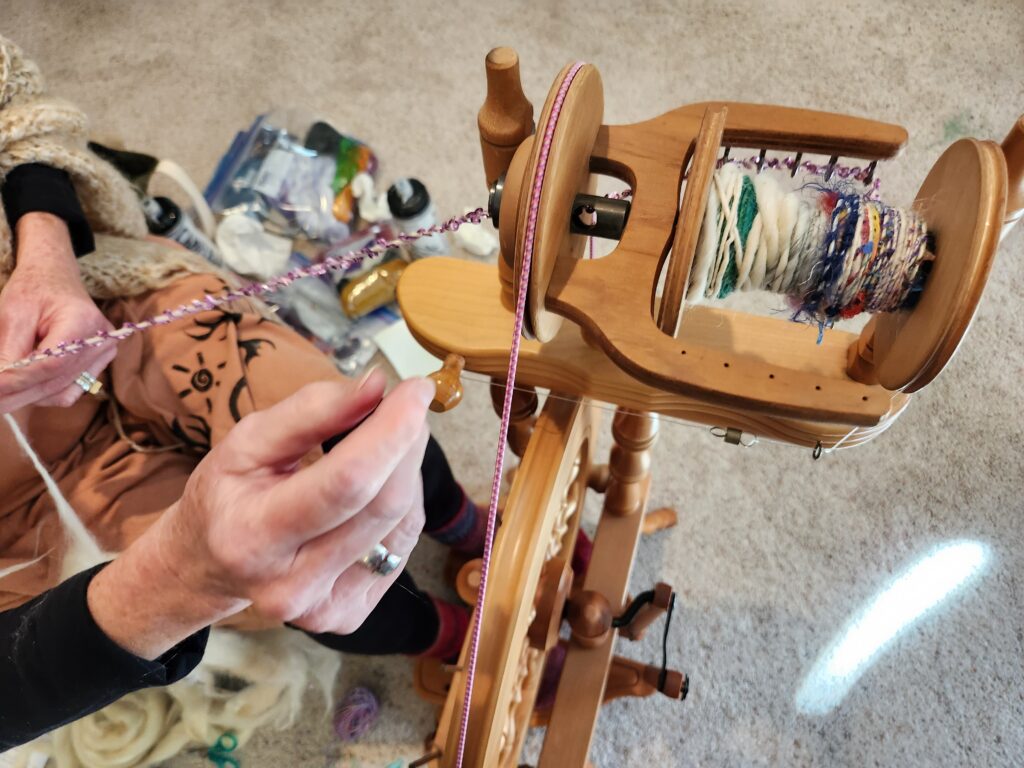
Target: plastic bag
[{"x": 294, "y": 174}]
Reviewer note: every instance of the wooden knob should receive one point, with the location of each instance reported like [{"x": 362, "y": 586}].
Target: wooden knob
[
  {"x": 467, "y": 583},
  {"x": 448, "y": 383},
  {"x": 1013, "y": 151},
  {"x": 506, "y": 117},
  {"x": 590, "y": 616},
  {"x": 675, "y": 685}
]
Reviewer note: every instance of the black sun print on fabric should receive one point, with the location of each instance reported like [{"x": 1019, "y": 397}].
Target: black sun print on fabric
[
  {"x": 209, "y": 327},
  {"x": 251, "y": 348},
  {"x": 194, "y": 433},
  {"x": 201, "y": 379}
]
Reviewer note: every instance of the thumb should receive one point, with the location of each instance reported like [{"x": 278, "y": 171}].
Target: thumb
[{"x": 282, "y": 434}]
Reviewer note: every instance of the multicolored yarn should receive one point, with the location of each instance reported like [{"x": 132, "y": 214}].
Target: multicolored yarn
[
  {"x": 833, "y": 252},
  {"x": 210, "y": 301},
  {"x": 356, "y": 713},
  {"x": 864, "y": 174}
]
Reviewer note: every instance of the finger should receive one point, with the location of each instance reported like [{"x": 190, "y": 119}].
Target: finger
[
  {"x": 67, "y": 368},
  {"x": 395, "y": 515},
  {"x": 357, "y": 590},
  {"x": 53, "y": 374},
  {"x": 353, "y": 473},
  {"x": 73, "y": 392},
  {"x": 284, "y": 433}
]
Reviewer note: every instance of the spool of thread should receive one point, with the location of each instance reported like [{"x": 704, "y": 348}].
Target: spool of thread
[
  {"x": 356, "y": 713},
  {"x": 413, "y": 211}
]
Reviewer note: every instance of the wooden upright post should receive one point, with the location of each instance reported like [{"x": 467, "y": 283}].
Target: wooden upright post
[
  {"x": 634, "y": 434},
  {"x": 522, "y": 417},
  {"x": 506, "y": 117}
]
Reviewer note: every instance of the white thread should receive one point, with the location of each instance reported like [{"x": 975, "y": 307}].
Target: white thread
[{"x": 82, "y": 551}]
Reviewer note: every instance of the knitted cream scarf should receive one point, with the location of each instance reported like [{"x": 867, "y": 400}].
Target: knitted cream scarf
[{"x": 37, "y": 129}]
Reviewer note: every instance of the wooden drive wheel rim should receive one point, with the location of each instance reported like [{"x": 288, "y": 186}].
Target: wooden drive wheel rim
[
  {"x": 575, "y": 131},
  {"x": 533, "y": 544}
]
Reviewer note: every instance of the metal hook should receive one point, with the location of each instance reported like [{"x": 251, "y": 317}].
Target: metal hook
[
  {"x": 816, "y": 453},
  {"x": 796, "y": 164},
  {"x": 871, "y": 173},
  {"x": 831, "y": 167},
  {"x": 760, "y": 159}
]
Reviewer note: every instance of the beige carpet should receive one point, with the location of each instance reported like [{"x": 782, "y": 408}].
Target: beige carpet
[{"x": 774, "y": 553}]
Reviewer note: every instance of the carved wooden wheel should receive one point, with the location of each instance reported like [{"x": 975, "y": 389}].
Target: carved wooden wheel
[{"x": 530, "y": 580}]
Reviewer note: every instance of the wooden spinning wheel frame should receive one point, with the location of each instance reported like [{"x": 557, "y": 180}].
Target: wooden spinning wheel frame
[{"x": 645, "y": 351}]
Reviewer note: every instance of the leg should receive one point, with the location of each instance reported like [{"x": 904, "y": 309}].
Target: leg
[{"x": 408, "y": 621}]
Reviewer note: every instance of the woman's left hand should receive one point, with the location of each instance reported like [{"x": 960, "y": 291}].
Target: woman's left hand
[{"x": 43, "y": 304}]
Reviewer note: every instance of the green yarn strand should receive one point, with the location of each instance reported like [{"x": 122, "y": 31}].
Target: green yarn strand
[{"x": 746, "y": 213}]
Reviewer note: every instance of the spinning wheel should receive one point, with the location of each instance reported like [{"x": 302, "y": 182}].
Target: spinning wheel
[
  {"x": 633, "y": 341},
  {"x": 533, "y": 548}
]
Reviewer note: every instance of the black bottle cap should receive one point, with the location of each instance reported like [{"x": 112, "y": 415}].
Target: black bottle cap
[
  {"x": 162, "y": 214},
  {"x": 414, "y": 206}
]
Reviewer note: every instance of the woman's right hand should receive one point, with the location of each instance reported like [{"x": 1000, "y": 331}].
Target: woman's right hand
[{"x": 255, "y": 528}]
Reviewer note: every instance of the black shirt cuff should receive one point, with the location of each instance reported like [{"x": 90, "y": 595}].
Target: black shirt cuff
[
  {"x": 57, "y": 665},
  {"x": 35, "y": 187}
]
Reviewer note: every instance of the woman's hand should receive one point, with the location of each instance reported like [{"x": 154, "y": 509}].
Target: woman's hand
[
  {"x": 252, "y": 528},
  {"x": 45, "y": 303}
]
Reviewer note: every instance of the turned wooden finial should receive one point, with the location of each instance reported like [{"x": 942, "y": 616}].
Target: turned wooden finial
[
  {"x": 506, "y": 117},
  {"x": 448, "y": 383},
  {"x": 1013, "y": 151},
  {"x": 590, "y": 618}
]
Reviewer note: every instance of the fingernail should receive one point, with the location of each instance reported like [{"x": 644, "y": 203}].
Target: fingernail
[
  {"x": 366, "y": 376},
  {"x": 427, "y": 390}
]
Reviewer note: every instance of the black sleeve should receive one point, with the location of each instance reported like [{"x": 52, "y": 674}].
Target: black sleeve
[
  {"x": 40, "y": 188},
  {"x": 57, "y": 665}
]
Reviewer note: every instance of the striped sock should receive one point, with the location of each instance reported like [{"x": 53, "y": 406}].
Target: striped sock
[
  {"x": 466, "y": 530},
  {"x": 453, "y": 624}
]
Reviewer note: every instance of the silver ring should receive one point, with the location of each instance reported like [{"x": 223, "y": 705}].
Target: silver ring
[
  {"x": 89, "y": 383},
  {"x": 380, "y": 561}
]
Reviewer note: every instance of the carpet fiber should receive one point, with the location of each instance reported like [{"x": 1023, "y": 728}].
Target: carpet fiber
[{"x": 774, "y": 554}]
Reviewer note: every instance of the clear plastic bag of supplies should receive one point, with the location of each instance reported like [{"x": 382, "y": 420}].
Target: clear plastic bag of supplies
[{"x": 294, "y": 174}]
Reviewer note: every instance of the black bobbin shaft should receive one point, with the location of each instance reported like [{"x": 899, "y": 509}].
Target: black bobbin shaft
[{"x": 592, "y": 215}]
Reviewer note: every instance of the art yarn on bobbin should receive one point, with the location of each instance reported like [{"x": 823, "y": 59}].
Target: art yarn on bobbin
[
  {"x": 832, "y": 252},
  {"x": 356, "y": 713}
]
